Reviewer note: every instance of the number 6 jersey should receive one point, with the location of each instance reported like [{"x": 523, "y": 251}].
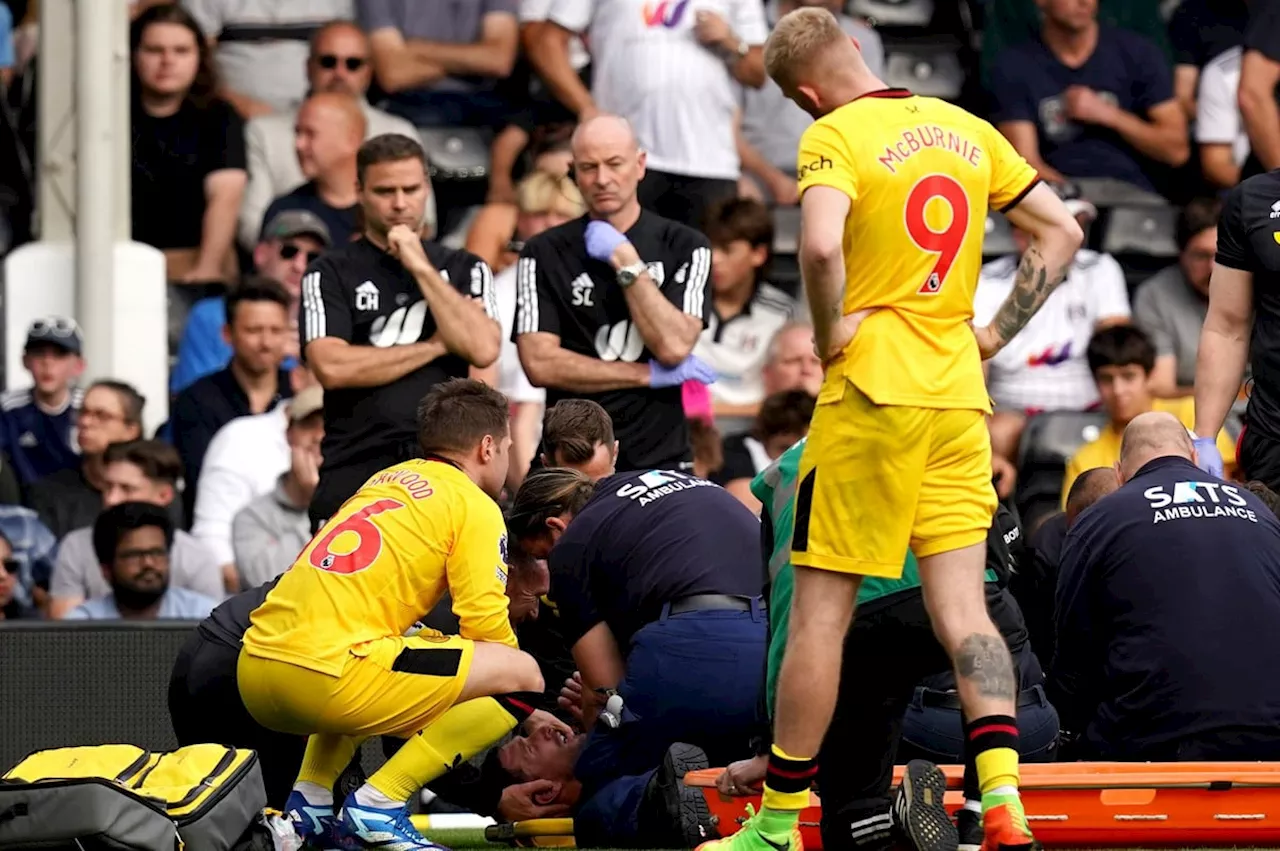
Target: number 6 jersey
[
  {"x": 382, "y": 562},
  {"x": 921, "y": 174}
]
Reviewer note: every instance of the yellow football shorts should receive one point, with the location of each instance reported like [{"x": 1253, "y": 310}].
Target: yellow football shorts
[
  {"x": 875, "y": 479},
  {"x": 391, "y": 686}
]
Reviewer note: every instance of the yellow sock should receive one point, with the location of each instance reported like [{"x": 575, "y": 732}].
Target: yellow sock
[
  {"x": 787, "y": 781},
  {"x": 997, "y": 767},
  {"x": 459, "y": 734},
  {"x": 326, "y": 758}
]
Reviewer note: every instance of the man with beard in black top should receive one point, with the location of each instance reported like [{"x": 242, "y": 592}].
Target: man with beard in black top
[
  {"x": 386, "y": 318},
  {"x": 1243, "y": 323},
  {"x": 609, "y": 306}
]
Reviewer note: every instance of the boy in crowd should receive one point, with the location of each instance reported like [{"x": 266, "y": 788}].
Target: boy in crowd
[
  {"x": 1121, "y": 359},
  {"x": 38, "y": 421},
  {"x": 746, "y": 312}
]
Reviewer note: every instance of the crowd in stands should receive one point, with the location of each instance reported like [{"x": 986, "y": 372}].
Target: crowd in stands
[{"x": 246, "y": 120}]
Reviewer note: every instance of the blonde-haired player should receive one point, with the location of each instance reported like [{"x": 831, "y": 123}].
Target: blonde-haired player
[{"x": 895, "y": 192}]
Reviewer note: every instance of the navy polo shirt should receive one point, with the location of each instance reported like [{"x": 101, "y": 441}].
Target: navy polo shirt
[
  {"x": 650, "y": 538},
  {"x": 1028, "y": 83},
  {"x": 1168, "y": 613}
]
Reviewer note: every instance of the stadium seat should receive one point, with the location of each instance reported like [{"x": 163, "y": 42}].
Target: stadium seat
[
  {"x": 1048, "y": 442},
  {"x": 1147, "y": 231},
  {"x": 784, "y": 270},
  {"x": 893, "y": 13},
  {"x": 456, "y": 153},
  {"x": 998, "y": 241},
  {"x": 929, "y": 67},
  {"x": 786, "y": 230}
]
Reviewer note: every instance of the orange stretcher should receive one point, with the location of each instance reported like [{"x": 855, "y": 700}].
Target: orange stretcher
[{"x": 1102, "y": 804}]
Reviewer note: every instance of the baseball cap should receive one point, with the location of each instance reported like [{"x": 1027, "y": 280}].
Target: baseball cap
[
  {"x": 290, "y": 223},
  {"x": 59, "y": 331},
  {"x": 306, "y": 402}
]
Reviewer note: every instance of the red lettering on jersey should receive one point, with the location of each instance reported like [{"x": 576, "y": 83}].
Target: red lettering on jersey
[
  {"x": 889, "y": 158},
  {"x": 928, "y": 136}
]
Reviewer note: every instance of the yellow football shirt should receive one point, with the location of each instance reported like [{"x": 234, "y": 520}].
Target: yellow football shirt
[
  {"x": 1105, "y": 450},
  {"x": 921, "y": 174},
  {"x": 384, "y": 561}
]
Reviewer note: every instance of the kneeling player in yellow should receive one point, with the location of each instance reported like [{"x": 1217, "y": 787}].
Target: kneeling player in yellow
[
  {"x": 895, "y": 190},
  {"x": 325, "y": 654}
]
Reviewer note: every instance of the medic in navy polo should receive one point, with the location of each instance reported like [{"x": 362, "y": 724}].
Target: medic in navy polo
[
  {"x": 1168, "y": 612},
  {"x": 657, "y": 577}
]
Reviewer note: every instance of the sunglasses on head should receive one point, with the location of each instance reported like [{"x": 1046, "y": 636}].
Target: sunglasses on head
[
  {"x": 329, "y": 62},
  {"x": 288, "y": 252},
  {"x": 55, "y": 325}
]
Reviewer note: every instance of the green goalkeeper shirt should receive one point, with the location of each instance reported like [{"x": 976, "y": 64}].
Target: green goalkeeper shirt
[{"x": 775, "y": 487}]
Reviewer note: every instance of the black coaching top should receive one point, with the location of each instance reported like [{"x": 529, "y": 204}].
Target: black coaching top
[
  {"x": 1249, "y": 240},
  {"x": 359, "y": 293},
  {"x": 562, "y": 291}
]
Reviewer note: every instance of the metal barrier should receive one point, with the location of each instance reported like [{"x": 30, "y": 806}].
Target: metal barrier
[{"x": 85, "y": 684}]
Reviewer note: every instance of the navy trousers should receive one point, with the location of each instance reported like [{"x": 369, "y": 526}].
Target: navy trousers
[{"x": 692, "y": 678}]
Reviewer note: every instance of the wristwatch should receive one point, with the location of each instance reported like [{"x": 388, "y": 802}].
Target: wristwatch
[{"x": 627, "y": 275}]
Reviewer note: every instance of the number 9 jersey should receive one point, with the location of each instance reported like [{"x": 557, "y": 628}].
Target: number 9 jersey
[
  {"x": 384, "y": 561},
  {"x": 921, "y": 174}
]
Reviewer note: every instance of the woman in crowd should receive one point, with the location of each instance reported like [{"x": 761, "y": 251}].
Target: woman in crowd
[
  {"x": 494, "y": 231},
  {"x": 188, "y": 149}
]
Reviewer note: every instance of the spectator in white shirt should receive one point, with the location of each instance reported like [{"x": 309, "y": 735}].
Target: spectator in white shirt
[
  {"x": 338, "y": 62},
  {"x": 137, "y": 471},
  {"x": 772, "y": 123},
  {"x": 1224, "y": 144},
  {"x": 746, "y": 311},
  {"x": 1044, "y": 367},
  {"x": 673, "y": 71},
  {"x": 544, "y": 201},
  {"x": 245, "y": 460},
  {"x": 260, "y": 46},
  {"x": 269, "y": 532}
]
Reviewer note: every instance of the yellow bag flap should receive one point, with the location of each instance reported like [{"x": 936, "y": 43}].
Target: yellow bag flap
[
  {"x": 121, "y": 763},
  {"x": 184, "y": 779}
]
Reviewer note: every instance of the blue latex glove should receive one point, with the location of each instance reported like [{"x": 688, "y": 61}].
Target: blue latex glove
[
  {"x": 602, "y": 240},
  {"x": 1210, "y": 459},
  {"x": 689, "y": 369}
]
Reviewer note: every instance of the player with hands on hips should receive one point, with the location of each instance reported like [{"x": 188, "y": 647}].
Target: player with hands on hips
[{"x": 609, "y": 245}]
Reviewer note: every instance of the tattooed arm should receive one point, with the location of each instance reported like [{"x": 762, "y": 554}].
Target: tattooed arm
[
  {"x": 1055, "y": 237},
  {"x": 823, "y": 211}
]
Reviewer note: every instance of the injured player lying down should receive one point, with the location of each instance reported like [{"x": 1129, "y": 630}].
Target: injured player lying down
[{"x": 326, "y": 655}]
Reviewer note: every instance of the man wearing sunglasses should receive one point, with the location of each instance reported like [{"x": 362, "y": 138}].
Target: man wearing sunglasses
[
  {"x": 339, "y": 62},
  {"x": 290, "y": 241}
]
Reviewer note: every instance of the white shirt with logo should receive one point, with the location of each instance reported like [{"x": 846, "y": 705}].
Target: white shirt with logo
[
  {"x": 648, "y": 67},
  {"x": 736, "y": 348},
  {"x": 1044, "y": 368}
]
